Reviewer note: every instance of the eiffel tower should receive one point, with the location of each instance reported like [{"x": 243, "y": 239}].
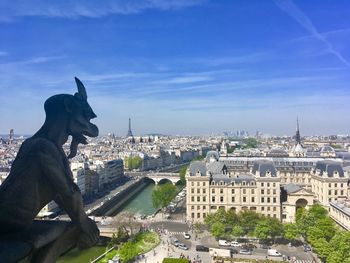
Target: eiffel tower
[{"x": 129, "y": 134}]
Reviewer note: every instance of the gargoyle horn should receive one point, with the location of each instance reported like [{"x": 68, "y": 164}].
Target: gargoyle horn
[{"x": 81, "y": 89}]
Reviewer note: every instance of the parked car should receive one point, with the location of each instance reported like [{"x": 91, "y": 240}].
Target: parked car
[
  {"x": 223, "y": 243},
  {"x": 235, "y": 244},
  {"x": 307, "y": 248},
  {"x": 182, "y": 246},
  {"x": 245, "y": 252},
  {"x": 187, "y": 236},
  {"x": 273, "y": 253},
  {"x": 202, "y": 248},
  {"x": 175, "y": 242},
  {"x": 264, "y": 246}
]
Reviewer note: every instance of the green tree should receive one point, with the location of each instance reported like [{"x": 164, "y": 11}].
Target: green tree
[
  {"x": 237, "y": 231},
  {"x": 291, "y": 231},
  {"x": 133, "y": 162},
  {"x": 322, "y": 248},
  {"x": 127, "y": 252},
  {"x": 262, "y": 229},
  {"x": 218, "y": 229},
  {"x": 250, "y": 143},
  {"x": 182, "y": 174},
  {"x": 163, "y": 194},
  {"x": 248, "y": 220},
  {"x": 340, "y": 245}
]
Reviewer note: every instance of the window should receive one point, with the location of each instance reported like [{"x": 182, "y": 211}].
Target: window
[
  {"x": 335, "y": 185},
  {"x": 203, "y": 183},
  {"x": 244, "y": 199},
  {"x": 192, "y": 198},
  {"x": 268, "y": 199},
  {"x": 192, "y": 183},
  {"x": 244, "y": 191},
  {"x": 336, "y": 192},
  {"x": 204, "y": 215},
  {"x": 268, "y": 191},
  {"x": 198, "y": 183},
  {"x": 204, "y": 191},
  {"x": 262, "y": 199},
  {"x": 213, "y": 191},
  {"x": 274, "y": 191},
  {"x": 203, "y": 207},
  {"x": 274, "y": 209},
  {"x": 198, "y": 215},
  {"x": 253, "y": 191},
  {"x": 198, "y": 191},
  {"x": 198, "y": 199},
  {"x": 221, "y": 191},
  {"x": 233, "y": 191},
  {"x": 233, "y": 199},
  {"x": 192, "y": 215},
  {"x": 329, "y": 185},
  {"x": 204, "y": 198},
  {"x": 274, "y": 184},
  {"x": 262, "y": 191},
  {"x": 262, "y": 184},
  {"x": 274, "y": 199},
  {"x": 268, "y": 184},
  {"x": 198, "y": 207},
  {"x": 192, "y": 207},
  {"x": 253, "y": 199},
  {"x": 213, "y": 198},
  {"x": 221, "y": 199},
  {"x": 329, "y": 192},
  {"x": 262, "y": 208},
  {"x": 268, "y": 208},
  {"x": 192, "y": 190},
  {"x": 341, "y": 192}
]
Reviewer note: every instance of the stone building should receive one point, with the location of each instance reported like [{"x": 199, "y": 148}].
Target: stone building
[{"x": 274, "y": 187}]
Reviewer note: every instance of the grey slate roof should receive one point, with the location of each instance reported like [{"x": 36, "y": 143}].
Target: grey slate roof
[
  {"x": 226, "y": 179},
  {"x": 197, "y": 166},
  {"x": 263, "y": 166},
  {"x": 291, "y": 188},
  {"x": 215, "y": 167},
  {"x": 330, "y": 167}
]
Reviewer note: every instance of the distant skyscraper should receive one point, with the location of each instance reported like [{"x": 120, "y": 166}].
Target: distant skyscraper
[
  {"x": 297, "y": 134},
  {"x": 11, "y": 135},
  {"x": 129, "y": 131}
]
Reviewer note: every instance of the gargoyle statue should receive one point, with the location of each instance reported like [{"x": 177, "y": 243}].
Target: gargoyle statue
[{"x": 41, "y": 173}]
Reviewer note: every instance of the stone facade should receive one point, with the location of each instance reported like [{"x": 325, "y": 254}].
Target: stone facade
[{"x": 275, "y": 187}]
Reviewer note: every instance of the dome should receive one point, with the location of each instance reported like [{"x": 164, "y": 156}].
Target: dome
[{"x": 212, "y": 156}]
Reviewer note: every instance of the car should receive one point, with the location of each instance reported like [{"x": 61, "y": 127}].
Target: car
[
  {"x": 175, "y": 242},
  {"x": 202, "y": 248},
  {"x": 187, "y": 236},
  {"x": 307, "y": 248},
  {"x": 273, "y": 253},
  {"x": 249, "y": 246},
  {"x": 182, "y": 246},
  {"x": 264, "y": 246},
  {"x": 223, "y": 243},
  {"x": 235, "y": 244},
  {"x": 245, "y": 252}
]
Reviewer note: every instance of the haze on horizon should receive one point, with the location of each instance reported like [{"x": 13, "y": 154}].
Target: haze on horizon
[{"x": 180, "y": 66}]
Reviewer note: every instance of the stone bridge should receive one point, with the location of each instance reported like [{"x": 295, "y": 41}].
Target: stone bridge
[{"x": 158, "y": 177}]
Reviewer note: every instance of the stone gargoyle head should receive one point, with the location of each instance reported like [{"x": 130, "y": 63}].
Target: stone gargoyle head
[{"x": 75, "y": 113}]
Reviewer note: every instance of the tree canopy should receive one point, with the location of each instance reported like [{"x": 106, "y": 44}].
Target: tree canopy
[{"x": 163, "y": 194}]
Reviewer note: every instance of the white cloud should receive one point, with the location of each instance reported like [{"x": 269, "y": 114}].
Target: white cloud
[
  {"x": 293, "y": 10},
  {"x": 80, "y": 8}
]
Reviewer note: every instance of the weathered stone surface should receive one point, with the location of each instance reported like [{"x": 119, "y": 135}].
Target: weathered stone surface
[{"x": 40, "y": 173}]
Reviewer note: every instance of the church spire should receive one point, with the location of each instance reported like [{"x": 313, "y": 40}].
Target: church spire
[{"x": 297, "y": 134}]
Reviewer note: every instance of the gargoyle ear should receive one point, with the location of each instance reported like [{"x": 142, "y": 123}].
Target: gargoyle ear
[{"x": 81, "y": 89}]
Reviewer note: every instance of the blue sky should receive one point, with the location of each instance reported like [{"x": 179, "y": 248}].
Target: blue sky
[{"x": 180, "y": 67}]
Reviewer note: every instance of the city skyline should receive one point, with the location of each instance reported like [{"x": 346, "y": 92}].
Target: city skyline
[{"x": 180, "y": 67}]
